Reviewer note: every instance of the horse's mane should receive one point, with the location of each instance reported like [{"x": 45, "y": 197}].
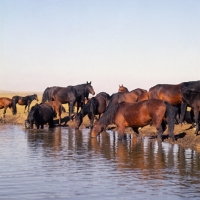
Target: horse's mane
[{"x": 109, "y": 115}]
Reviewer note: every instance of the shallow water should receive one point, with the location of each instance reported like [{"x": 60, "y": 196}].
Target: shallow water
[{"x": 66, "y": 164}]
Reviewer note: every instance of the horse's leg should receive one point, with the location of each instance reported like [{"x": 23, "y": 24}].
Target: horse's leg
[
  {"x": 71, "y": 108},
  {"x": 158, "y": 124},
  {"x": 91, "y": 117},
  {"x": 25, "y": 108},
  {"x": 4, "y": 112},
  {"x": 196, "y": 119},
  {"x": 136, "y": 131},
  {"x": 183, "y": 108}
]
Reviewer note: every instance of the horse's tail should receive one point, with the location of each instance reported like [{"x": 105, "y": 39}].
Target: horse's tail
[
  {"x": 14, "y": 107},
  {"x": 171, "y": 117},
  {"x": 45, "y": 96}
]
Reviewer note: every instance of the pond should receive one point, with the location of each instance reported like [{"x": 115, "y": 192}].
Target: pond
[{"x": 64, "y": 163}]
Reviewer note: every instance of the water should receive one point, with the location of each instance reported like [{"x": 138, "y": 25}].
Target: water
[{"x": 66, "y": 164}]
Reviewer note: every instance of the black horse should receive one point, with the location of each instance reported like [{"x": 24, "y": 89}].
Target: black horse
[
  {"x": 95, "y": 106},
  {"x": 39, "y": 115},
  {"x": 24, "y": 101},
  {"x": 72, "y": 94}
]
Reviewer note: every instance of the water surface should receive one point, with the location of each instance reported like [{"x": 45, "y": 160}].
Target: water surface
[{"x": 66, "y": 164}]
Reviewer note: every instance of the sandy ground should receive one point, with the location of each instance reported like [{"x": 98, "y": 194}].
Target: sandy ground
[{"x": 184, "y": 134}]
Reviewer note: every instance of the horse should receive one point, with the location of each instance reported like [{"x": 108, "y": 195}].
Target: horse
[
  {"x": 24, "y": 101},
  {"x": 129, "y": 97},
  {"x": 192, "y": 99},
  {"x": 172, "y": 94},
  {"x": 137, "y": 115},
  {"x": 72, "y": 94},
  {"x": 57, "y": 108},
  {"x": 95, "y": 106},
  {"x": 122, "y": 89},
  {"x": 39, "y": 115},
  {"x": 5, "y": 103}
]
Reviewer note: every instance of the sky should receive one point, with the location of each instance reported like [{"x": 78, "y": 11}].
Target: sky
[{"x": 137, "y": 43}]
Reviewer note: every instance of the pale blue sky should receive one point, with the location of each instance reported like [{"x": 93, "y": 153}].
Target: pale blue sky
[{"x": 137, "y": 43}]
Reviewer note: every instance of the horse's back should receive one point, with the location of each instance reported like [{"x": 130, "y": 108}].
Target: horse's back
[
  {"x": 5, "y": 101},
  {"x": 140, "y": 113},
  {"x": 64, "y": 94},
  {"x": 166, "y": 92}
]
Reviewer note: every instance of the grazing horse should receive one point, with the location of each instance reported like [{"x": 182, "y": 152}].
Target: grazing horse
[
  {"x": 122, "y": 89},
  {"x": 129, "y": 97},
  {"x": 24, "y": 101},
  {"x": 72, "y": 94},
  {"x": 5, "y": 103},
  {"x": 95, "y": 106},
  {"x": 57, "y": 108},
  {"x": 137, "y": 115}
]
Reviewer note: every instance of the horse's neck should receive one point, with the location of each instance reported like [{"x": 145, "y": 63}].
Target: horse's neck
[{"x": 80, "y": 89}]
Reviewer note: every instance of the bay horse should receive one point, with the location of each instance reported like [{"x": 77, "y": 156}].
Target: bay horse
[
  {"x": 24, "y": 101},
  {"x": 95, "y": 106},
  {"x": 172, "y": 94},
  {"x": 72, "y": 94},
  {"x": 57, "y": 108},
  {"x": 129, "y": 97},
  {"x": 5, "y": 103},
  {"x": 122, "y": 89},
  {"x": 137, "y": 115}
]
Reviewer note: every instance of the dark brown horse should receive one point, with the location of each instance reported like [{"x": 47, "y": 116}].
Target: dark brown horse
[
  {"x": 72, "y": 94},
  {"x": 5, "y": 103},
  {"x": 95, "y": 106},
  {"x": 24, "y": 101},
  {"x": 137, "y": 115},
  {"x": 57, "y": 108}
]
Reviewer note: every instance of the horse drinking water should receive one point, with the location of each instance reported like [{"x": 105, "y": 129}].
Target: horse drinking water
[{"x": 137, "y": 115}]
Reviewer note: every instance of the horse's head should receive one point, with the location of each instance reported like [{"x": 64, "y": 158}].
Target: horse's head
[
  {"x": 122, "y": 89},
  {"x": 97, "y": 129},
  {"x": 78, "y": 119},
  {"x": 36, "y": 97},
  {"x": 89, "y": 88}
]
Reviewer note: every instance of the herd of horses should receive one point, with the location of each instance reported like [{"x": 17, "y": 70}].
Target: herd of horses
[{"x": 162, "y": 105}]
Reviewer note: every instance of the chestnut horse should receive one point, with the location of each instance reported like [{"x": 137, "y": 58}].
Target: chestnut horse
[
  {"x": 57, "y": 108},
  {"x": 24, "y": 101},
  {"x": 137, "y": 115},
  {"x": 5, "y": 103}
]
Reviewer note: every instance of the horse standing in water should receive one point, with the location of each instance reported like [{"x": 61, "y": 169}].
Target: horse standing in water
[
  {"x": 24, "y": 101},
  {"x": 57, "y": 108},
  {"x": 95, "y": 106},
  {"x": 5, "y": 103},
  {"x": 137, "y": 115},
  {"x": 72, "y": 94}
]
